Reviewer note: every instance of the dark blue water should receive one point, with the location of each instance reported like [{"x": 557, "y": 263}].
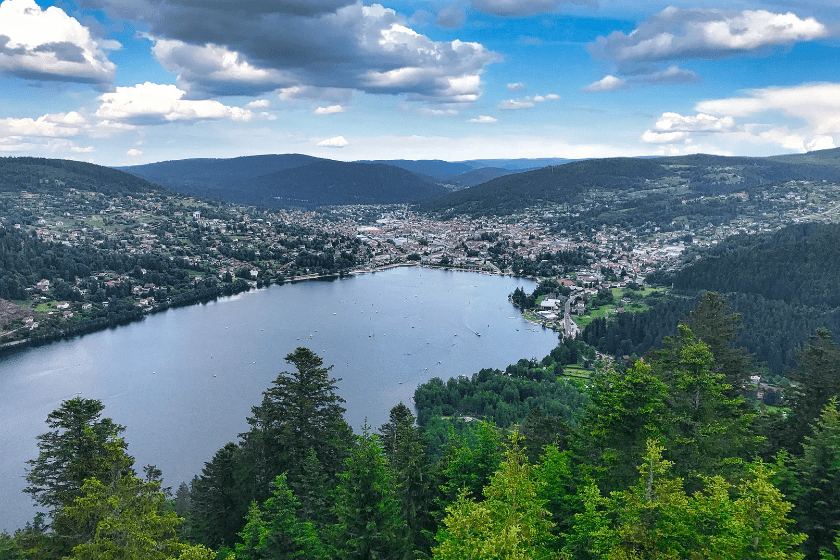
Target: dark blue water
[{"x": 184, "y": 381}]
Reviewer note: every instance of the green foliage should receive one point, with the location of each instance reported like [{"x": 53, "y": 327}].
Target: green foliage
[
  {"x": 301, "y": 411},
  {"x": 468, "y": 465},
  {"x": 274, "y": 529},
  {"x": 370, "y": 522},
  {"x": 707, "y": 431},
  {"x": 713, "y": 322},
  {"x": 818, "y": 498},
  {"x": 79, "y": 445},
  {"x": 505, "y": 397},
  {"x": 405, "y": 449},
  {"x": 625, "y": 410},
  {"x": 817, "y": 382},
  {"x": 656, "y": 518},
  {"x": 218, "y": 500},
  {"x": 128, "y": 519},
  {"x": 511, "y": 522}
]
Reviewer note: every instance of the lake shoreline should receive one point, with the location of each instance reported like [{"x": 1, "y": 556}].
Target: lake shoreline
[{"x": 99, "y": 324}]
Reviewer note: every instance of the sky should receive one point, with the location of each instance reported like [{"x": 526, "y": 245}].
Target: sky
[{"x": 125, "y": 82}]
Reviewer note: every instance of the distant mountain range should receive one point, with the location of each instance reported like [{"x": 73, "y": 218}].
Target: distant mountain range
[{"x": 475, "y": 186}]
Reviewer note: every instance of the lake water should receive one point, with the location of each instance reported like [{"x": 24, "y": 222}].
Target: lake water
[{"x": 184, "y": 381}]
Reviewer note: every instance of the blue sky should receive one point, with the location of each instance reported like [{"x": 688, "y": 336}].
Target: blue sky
[{"x": 121, "y": 82}]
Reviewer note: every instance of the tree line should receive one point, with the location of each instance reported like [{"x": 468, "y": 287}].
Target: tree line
[{"x": 662, "y": 459}]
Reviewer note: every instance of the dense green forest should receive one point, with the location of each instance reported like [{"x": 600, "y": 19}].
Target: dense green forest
[
  {"x": 783, "y": 285},
  {"x": 661, "y": 459}
]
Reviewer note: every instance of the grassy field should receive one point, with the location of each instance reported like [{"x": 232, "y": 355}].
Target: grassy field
[{"x": 636, "y": 305}]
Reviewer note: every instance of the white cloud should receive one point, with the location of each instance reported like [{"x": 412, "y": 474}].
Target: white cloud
[
  {"x": 50, "y": 45},
  {"x": 607, "y": 83},
  {"x": 515, "y": 105},
  {"x": 483, "y": 119},
  {"x": 816, "y": 104},
  {"x": 246, "y": 48},
  {"x": 515, "y": 87},
  {"x": 671, "y": 75},
  {"x": 47, "y": 126},
  {"x": 134, "y": 152},
  {"x": 150, "y": 103},
  {"x": 258, "y": 104},
  {"x": 525, "y": 102},
  {"x": 53, "y": 132},
  {"x": 798, "y": 118},
  {"x": 334, "y": 142},
  {"x": 331, "y": 110},
  {"x": 674, "y": 122},
  {"x": 677, "y": 34},
  {"x": 437, "y": 112},
  {"x": 295, "y": 94}
]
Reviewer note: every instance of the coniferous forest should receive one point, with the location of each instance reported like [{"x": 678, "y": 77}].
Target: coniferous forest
[{"x": 662, "y": 458}]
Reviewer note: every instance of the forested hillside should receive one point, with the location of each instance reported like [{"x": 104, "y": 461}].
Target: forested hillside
[
  {"x": 648, "y": 189},
  {"x": 41, "y": 175},
  {"x": 291, "y": 180},
  {"x": 783, "y": 284}
]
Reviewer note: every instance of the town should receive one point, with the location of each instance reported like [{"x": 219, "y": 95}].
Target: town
[{"x": 223, "y": 248}]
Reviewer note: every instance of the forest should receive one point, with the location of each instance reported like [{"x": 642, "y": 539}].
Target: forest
[
  {"x": 782, "y": 284},
  {"x": 663, "y": 458}
]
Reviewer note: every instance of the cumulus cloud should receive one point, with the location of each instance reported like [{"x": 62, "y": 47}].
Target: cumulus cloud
[
  {"x": 816, "y": 104},
  {"x": 49, "y": 126},
  {"x": 607, "y": 83},
  {"x": 332, "y": 109},
  {"x": 673, "y": 127},
  {"x": 216, "y": 70},
  {"x": 221, "y": 48},
  {"x": 451, "y": 17},
  {"x": 50, "y": 45},
  {"x": 521, "y": 8},
  {"x": 334, "y": 142},
  {"x": 515, "y": 87},
  {"x": 150, "y": 103},
  {"x": 51, "y": 132},
  {"x": 259, "y": 104},
  {"x": 483, "y": 119},
  {"x": 776, "y": 117},
  {"x": 134, "y": 152},
  {"x": 677, "y": 34}
]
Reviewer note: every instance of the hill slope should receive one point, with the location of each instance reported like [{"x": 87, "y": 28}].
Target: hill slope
[
  {"x": 290, "y": 180},
  {"x": 40, "y": 175},
  {"x": 657, "y": 177}
]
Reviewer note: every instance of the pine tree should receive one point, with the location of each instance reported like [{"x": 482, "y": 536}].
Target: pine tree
[
  {"x": 817, "y": 381},
  {"x": 511, "y": 521},
  {"x": 127, "y": 519},
  {"x": 818, "y": 503},
  {"x": 713, "y": 322},
  {"x": 274, "y": 530},
  {"x": 301, "y": 411},
  {"x": 370, "y": 522},
  {"x": 405, "y": 449},
  {"x": 80, "y": 445}
]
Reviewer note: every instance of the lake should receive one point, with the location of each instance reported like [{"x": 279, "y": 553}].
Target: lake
[{"x": 184, "y": 381}]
